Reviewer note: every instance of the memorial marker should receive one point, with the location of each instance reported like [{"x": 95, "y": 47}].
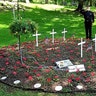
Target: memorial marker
[
  {"x": 76, "y": 68},
  {"x": 64, "y": 63}
]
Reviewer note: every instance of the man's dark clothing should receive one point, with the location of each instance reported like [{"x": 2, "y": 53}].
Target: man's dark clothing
[{"x": 89, "y": 19}]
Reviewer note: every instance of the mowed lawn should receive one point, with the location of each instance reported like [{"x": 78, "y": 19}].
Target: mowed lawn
[{"x": 47, "y": 18}]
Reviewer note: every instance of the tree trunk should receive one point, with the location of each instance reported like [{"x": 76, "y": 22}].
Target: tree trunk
[
  {"x": 46, "y": 1},
  {"x": 20, "y": 50},
  {"x": 90, "y": 2},
  {"x": 80, "y": 5},
  {"x": 56, "y": 2}
]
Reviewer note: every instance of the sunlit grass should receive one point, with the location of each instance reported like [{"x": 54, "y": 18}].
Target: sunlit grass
[
  {"x": 60, "y": 18},
  {"x": 3, "y": 26}
]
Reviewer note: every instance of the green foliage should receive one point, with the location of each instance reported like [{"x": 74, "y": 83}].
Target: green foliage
[{"x": 21, "y": 26}]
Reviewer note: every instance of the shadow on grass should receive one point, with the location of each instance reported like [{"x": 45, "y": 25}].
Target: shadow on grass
[{"x": 46, "y": 20}]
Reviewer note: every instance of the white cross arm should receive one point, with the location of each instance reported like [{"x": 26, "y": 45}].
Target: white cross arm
[
  {"x": 94, "y": 39},
  {"x": 64, "y": 31},
  {"x": 36, "y": 34},
  {"x": 81, "y": 43},
  {"x": 53, "y": 32}
]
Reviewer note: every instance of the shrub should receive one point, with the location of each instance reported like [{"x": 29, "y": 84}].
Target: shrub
[{"x": 21, "y": 26}]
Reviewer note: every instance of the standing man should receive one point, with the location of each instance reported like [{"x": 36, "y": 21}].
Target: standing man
[{"x": 89, "y": 19}]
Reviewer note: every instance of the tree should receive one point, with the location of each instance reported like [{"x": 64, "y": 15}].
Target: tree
[
  {"x": 55, "y": 1},
  {"x": 80, "y": 5},
  {"x": 90, "y": 1},
  {"x": 19, "y": 27},
  {"x": 46, "y": 1}
]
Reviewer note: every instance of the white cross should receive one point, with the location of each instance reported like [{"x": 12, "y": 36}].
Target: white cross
[
  {"x": 95, "y": 42},
  {"x": 64, "y": 34},
  {"x": 53, "y": 35},
  {"x": 81, "y": 47},
  {"x": 36, "y": 37}
]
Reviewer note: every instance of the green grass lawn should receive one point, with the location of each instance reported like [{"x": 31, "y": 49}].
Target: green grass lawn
[
  {"x": 47, "y": 20},
  {"x": 57, "y": 18},
  {"x": 9, "y": 91}
]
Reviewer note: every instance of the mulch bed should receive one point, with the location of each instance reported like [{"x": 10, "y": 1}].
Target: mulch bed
[{"x": 34, "y": 65}]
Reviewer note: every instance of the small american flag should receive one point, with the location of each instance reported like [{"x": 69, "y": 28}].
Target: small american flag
[{"x": 89, "y": 48}]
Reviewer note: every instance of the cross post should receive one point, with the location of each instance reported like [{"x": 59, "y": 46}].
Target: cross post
[
  {"x": 64, "y": 34},
  {"x": 81, "y": 43},
  {"x": 95, "y": 42},
  {"x": 53, "y": 35},
  {"x": 36, "y": 37}
]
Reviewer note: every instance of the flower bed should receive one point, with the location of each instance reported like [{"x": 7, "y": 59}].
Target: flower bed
[{"x": 34, "y": 67}]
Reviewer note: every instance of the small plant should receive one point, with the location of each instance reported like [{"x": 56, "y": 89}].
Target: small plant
[{"x": 22, "y": 26}]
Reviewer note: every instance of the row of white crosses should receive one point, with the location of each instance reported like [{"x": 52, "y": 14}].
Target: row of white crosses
[
  {"x": 82, "y": 42},
  {"x": 53, "y": 33}
]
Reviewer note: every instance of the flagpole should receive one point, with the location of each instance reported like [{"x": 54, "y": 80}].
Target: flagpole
[{"x": 18, "y": 10}]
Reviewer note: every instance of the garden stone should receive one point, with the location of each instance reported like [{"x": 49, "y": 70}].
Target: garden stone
[
  {"x": 58, "y": 88},
  {"x": 3, "y": 78},
  {"x": 16, "y": 82},
  {"x": 37, "y": 85},
  {"x": 79, "y": 87}
]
